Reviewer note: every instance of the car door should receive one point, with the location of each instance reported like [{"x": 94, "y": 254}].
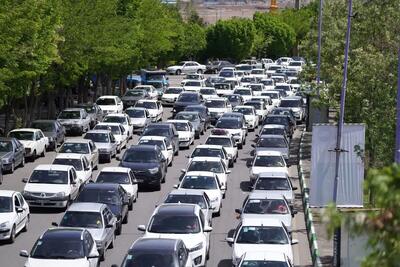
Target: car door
[
  {"x": 18, "y": 151},
  {"x": 19, "y": 215},
  {"x": 113, "y": 144},
  {"x": 123, "y": 195},
  {"x": 108, "y": 231},
  {"x": 87, "y": 169},
  {"x": 90, "y": 248},
  {"x": 134, "y": 182},
  {"x": 74, "y": 184},
  {"x": 40, "y": 142}
]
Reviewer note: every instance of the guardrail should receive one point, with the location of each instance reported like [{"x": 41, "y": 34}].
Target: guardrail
[{"x": 312, "y": 237}]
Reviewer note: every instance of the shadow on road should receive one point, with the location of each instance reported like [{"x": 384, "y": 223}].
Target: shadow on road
[
  {"x": 245, "y": 186},
  {"x": 225, "y": 263}
]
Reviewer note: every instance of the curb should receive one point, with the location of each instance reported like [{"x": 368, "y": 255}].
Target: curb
[{"x": 312, "y": 236}]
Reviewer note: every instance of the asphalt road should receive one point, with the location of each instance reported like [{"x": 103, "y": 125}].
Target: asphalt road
[{"x": 220, "y": 254}]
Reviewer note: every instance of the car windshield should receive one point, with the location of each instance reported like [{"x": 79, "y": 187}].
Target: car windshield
[
  {"x": 222, "y": 86},
  {"x": 294, "y": 63},
  {"x": 140, "y": 156},
  {"x": 256, "y": 105},
  {"x": 267, "y": 82},
  {"x": 226, "y": 74},
  {"x": 207, "y": 92},
  {"x": 68, "y": 115},
  {"x": 98, "y": 137},
  {"x": 233, "y": 98},
  {"x": 283, "y": 87},
  {"x": 262, "y": 235},
  {"x": 113, "y": 177},
  {"x": 145, "y": 88},
  {"x": 173, "y": 91},
  {"x": 281, "y": 112},
  {"x": 186, "y": 116},
  {"x": 6, "y": 146},
  {"x": 192, "y": 83},
  {"x": 257, "y": 72},
  {"x": 207, "y": 152},
  {"x": 206, "y": 166},
  {"x": 215, "y": 104},
  {"x": 263, "y": 263},
  {"x": 69, "y": 162},
  {"x": 134, "y": 93},
  {"x": 269, "y": 161},
  {"x": 276, "y": 120},
  {"x": 158, "y": 143},
  {"x": 242, "y": 92},
  {"x": 79, "y": 148},
  {"x": 156, "y": 131},
  {"x": 44, "y": 126},
  {"x": 188, "y": 98},
  {"x": 192, "y": 77},
  {"x": 22, "y": 135},
  {"x": 146, "y": 104},
  {"x": 58, "y": 248},
  {"x": 266, "y": 206},
  {"x": 100, "y": 196},
  {"x": 174, "y": 224},
  {"x": 290, "y": 103},
  {"x": 244, "y": 111},
  {"x": 82, "y": 219},
  {"x": 149, "y": 259},
  {"x": 190, "y": 199},
  {"x": 114, "y": 128},
  {"x": 5, "y": 204},
  {"x": 271, "y": 183},
  {"x": 272, "y": 142},
  {"x": 247, "y": 79},
  {"x": 256, "y": 87},
  {"x": 199, "y": 182},
  {"x": 135, "y": 113},
  {"x": 244, "y": 67},
  {"x": 115, "y": 119},
  {"x": 274, "y": 68},
  {"x": 226, "y": 142},
  {"x": 271, "y": 95},
  {"x": 276, "y": 131},
  {"x": 106, "y": 102},
  {"x": 49, "y": 177},
  {"x": 181, "y": 126},
  {"x": 228, "y": 124}
]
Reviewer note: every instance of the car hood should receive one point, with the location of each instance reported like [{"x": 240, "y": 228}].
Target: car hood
[
  {"x": 62, "y": 121},
  {"x": 169, "y": 96},
  {"x": 4, "y": 155},
  {"x": 190, "y": 240},
  {"x": 57, "y": 262},
  {"x": 258, "y": 170},
  {"x": 27, "y": 143},
  {"x": 139, "y": 166},
  {"x": 219, "y": 110},
  {"x": 285, "y": 218},
  {"x": 184, "y": 134},
  {"x": 47, "y": 188},
  {"x": 108, "y": 107},
  {"x": 103, "y": 145},
  {"x": 284, "y": 151},
  {"x": 50, "y": 134},
  {"x": 6, "y": 216},
  {"x": 240, "y": 249},
  {"x": 138, "y": 121},
  {"x": 130, "y": 98}
]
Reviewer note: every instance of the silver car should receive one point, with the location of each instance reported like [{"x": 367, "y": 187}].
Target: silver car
[
  {"x": 140, "y": 118},
  {"x": 105, "y": 143},
  {"x": 97, "y": 218},
  {"x": 75, "y": 120}
]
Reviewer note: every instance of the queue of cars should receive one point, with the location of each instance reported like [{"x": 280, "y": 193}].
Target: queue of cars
[{"x": 179, "y": 229}]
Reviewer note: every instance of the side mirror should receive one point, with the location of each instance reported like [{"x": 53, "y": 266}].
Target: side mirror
[
  {"x": 294, "y": 212},
  {"x": 25, "y": 180},
  {"x": 228, "y": 171},
  {"x": 238, "y": 211},
  {"x": 170, "y": 148},
  {"x": 118, "y": 158},
  {"x": 294, "y": 188},
  {"x": 183, "y": 170},
  {"x": 24, "y": 253},
  {"x": 141, "y": 228},
  {"x": 229, "y": 240},
  {"x": 251, "y": 187},
  {"x": 110, "y": 225},
  {"x": 207, "y": 229},
  {"x": 54, "y": 224},
  {"x": 93, "y": 255},
  {"x": 163, "y": 160},
  {"x": 253, "y": 145},
  {"x": 19, "y": 209},
  {"x": 294, "y": 241},
  {"x": 176, "y": 186},
  {"x": 187, "y": 156},
  {"x": 73, "y": 182},
  {"x": 249, "y": 163},
  {"x": 114, "y": 265}
]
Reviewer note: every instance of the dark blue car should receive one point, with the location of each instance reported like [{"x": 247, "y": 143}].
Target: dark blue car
[{"x": 186, "y": 99}]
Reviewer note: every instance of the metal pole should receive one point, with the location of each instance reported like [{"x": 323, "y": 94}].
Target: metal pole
[
  {"x": 397, "y": 151},
  {"x": 321, "y": 3}
]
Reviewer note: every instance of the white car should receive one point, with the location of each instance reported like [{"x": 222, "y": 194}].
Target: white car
[
  {"x": 122, "y": 119},
  {"x": 295, "y": 65},
  {"x": 235, "y": 127},
  {"x": 227, "y": 142},
  {"x": 212, "y": 151},
  {"x": 275, "y": 183},
  {"x": 245, "y": 92},
  {"x": 186, "y": 67},
  {"x": 275, "y": 97},
  {"x": 14, "y": 214},
  {"x": 295, "y": 103},
  {"x": 273, "y": 142},
  {"x": 218, "y": 106},
  {"x": 295, "y": 84},
  {"x": 51, "y": 186},
  {"x": 170, "y": 95},
  {"x": 110, "y": 104},
  {"x": 193, "y": 76},
  {"x": 266, "y": 62},
  {"x": 208, "y": 92},
  {"x": 193, "y": 85},
  {"x": 250, "y": 115},
  {"x": 34, "y": 141},
  {"x": 247, "y": 80},
  {"x": 267, "y": 161},
  {"x": 260, "y": 109},
  {"x": 122, "y": 176},
  {"x": 286, "y": 87},
  {"x": 269, "y": 106},
  {"x": 284, "y": 61},
  {"x": 256, "y": 234},
  {"x": 204, "y": 182},
  {"x": 258, "y": 73},
  {"x": 186, "y": 132},
  {"x": 278, "y": 79},
  {"x": 257, "y": 88},
  {"x": 265, "y": 258},
  {"x": 273, "y": 68},
  {"x": 223, "y": 89},
  {"x": 269, "y": 84},
  {"x": 140, "y": 118},
  {"x": 79, "y": 162},
  {"x": 277, "y": 129},
  {"x": 154, "y": 108},
  {"x": 82, "y": 146},
  {"x": 117, "y": 130},
  {"x": 150, "y": 89},
  {"x": 162, "y": 142}
]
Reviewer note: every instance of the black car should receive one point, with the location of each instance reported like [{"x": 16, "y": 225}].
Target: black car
[
  {"x": 211, "y": 81},
  {"x": 216, "y": 66},
  {"x": 132, "y": 96},
  {"x": 12, "y": 154},
  {"x": 94, "y": 112},
  {"x": 235, "y": 99},
  {"x": 164, "y": 129},
  {"x": 203, "y": 113},
  {"x": 114, "y": 195},
  {"x": 147, "y": 163},
  {"x": 282, "y": 120},
  {"x": 186, "y": 99},
  {"x": 285, "y": 111},
  {"x": 51, "y": 129},
  {"x": 156, "y": 252}
]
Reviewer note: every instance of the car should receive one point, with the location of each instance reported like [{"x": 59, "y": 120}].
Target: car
[
  {"x": 210, "y": 164},
  {"x": 247, "y": 80},
  {"x": 154, "y": 108},
  {"x": 192, "y": 196},
  {"x": 235, "y": 100},
  {"x": 259, "y": 107},
  {"x": 97, "y": 218},
  {"x": 235, "y": 127},
  {"x": 258, "y": 73},
  {"x": 12, "y": 154},
  {"x": 275, "y": 97},
  {"x": 105, "y": 143},
  {"x": 74, "y": 120},
  {"x": 255, "y": 234},
  {"x": 204, "y": 113},
  {"x": 273, "y": 68},
  {"x": 229, "y": 74},
  {"x": 269, "y": 84},
  {"x": 284, "y": 61},
  {"x": 266, "y": 102},
  {"x": 245, "y": 92},
  {"x": 282, "y": 120},
  {"x": 15, "y": 215},
  {"x": 212, "y": 80},
  {"x": 264, "y": 258},
  {"x": 194, "y": 118},
  {"x": 217, "y": 107},
  {"x": 118, "y": 132},
  {"x": 110, "y": 104},
  {"x": 250, "y": 115},
  {"x": 186, "y": 99},
  {"x": 253, "y": 62},
  {"x": 257, "y": 88},
  {"x": 295, "y": 84},
  {"x": 266, "y": 161},
  {"x": 285, "y": 87},
  {"x": 223, "y": 89},
  {"x": 111, "y": 194},
  {"x": 122, "y": 119},
  {"x": 53, "y": 130},
  {"x": 295, "y": 65},
  {"x": 170, "y": 95},
  {"x": 157, "y": 252},
  {"x": 94, "y": 112},
  {"x": 133, "y": 95},
  {"x": 51, "y": 186},
  {"x": 79, "y": 162},
  {"x": 193, "y": 77},
  {"x": 82, "y": 146},
  {"x": 183, "y": 221},
  {"x": 212, "y": 151},
  {"x": 163, "y": 143},
  {"x": 272, "y": 142},
  {"x": 275, "y": 129},
  {"x": 150, "y": 89},
  {"x": 63, "y": 246},
  {"x": 266, "y": 62},
  {"x": 193, "y": 85},
  {"x": 207, "y": 182},
  {"x": 164, "y": 129},
  {"x": 34, "y": 141},
  {"x": 295, "y": 103},
  {"x": 147, "y": 163},
  {"x": 186, "y": 67},
  {"x": 217, "y": 65},
  {"x": 139, "y": 117},
  {"x": 280, "y": 80},
  {"x": 285, "y": 111},
  {"x": 186, "y": 132},
  {"x": 208, "y": 92},
  {"x": 227, "y": 142},
  {"x": 246, "y": 68}
]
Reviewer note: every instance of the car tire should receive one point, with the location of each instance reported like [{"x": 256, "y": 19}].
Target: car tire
[
  {"x": 33, "y": 157},
  {"x": 112, "y": 242},
  {"x": 130, "y": 206},
  {"x": 230, "y": 165},
  {"x": 137, "y": 196},
  {"x": 109, "y": 158},
  {"x": 178, "y": 72},
  {"x": 197, "y": 135},
  {"x": 12, "y": 169},
  {"x": 43, "y": 153},
  {"x": 158, "y": 187},
  {"x": 22, "y": 164},
  {"x": 170, "y": 164},
  {"x": 244, "y": 141},
  {"x": 126, "y": 218},
  {"x": 25, "y": 229},
  {"x": 11, "y": 240},
  {"x": 119, "y": 229},
  {"x": 240, "y": 146},
  {"x": 102, "y": 256},
  {"x": 177, "y": 152},
  {"x": 200, "y": 71}
]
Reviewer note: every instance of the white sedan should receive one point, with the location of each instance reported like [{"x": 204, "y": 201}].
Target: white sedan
[
  {"x": 150, "y": 89},
  {"x": 186, "y": 132},
  {"x": 250, "y": 115},
  {"x": 171, "y": 95},
  {"x": 122, "y": 119},
  {"x": 154, "y": 108},
  {"x": 34, "y": 141},
  {"x": 162, "y": 142},
  {"x": 79, "y": 162},
  {"x": 117, "y": 130}
]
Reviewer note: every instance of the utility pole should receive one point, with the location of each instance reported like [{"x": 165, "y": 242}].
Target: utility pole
[{"x": 397, "y": 149}]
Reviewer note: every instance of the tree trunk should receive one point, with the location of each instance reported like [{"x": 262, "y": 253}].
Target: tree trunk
[{"x": 108, "y": 85}]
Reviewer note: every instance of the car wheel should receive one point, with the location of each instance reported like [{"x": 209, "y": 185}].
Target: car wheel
[
  {"x": 22, "y": 162},
  {"x": 197, "y": 135},
  {"x": 119, "y": 229},
  {"x": 244, "y": 141},
  {"x": 170, "y": 164},
  {"x": 12, "y": 235},
  {"x": 112, "y": 242},
  {"x": 158, "y": 187},
  {"x": 200, "y": 71},
  {"x": 109, "y": 158},
  {"x": 177, "y": 152},
  {"x": 237, "y": 155},
  {"x": 26, "y": 224},
  {"x": 102, "y": 256},
  {"x": 230, "y": 164},
  {"x": 126, "y": 218},
  {"x": 12, "y": 167},
  {"x": 33, "y": 157},
  {"x": 130, "y": 206},
  {"x": 43, "y": 153},
  {"x": 240, "y": 146},
  {"x": 178, "y": 72}
]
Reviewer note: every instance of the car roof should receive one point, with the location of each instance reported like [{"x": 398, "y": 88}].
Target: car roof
[
  {"x": 60, "y": 233},
  {"x": 102, "y": 186},
  {"x": 200, "y": 173},
  {"x": 272, "y": 126},
  {"x": 87, "y": 207},
  {"x": 160, "y": 124},
  {"x": 7, "y": 193},
  {"x": 183, "y": 209},
  {"x": 117, "y": 115},
  {"x": 73, "y": 109},
  {"x": 99, "y": 131},
  {"x": 277, "y": 136},
  {"x": 265, "y": 256},
  {"x": 136, "y": 108},
  {"x": 81, "y": 141},
  {"x": 69, "y": 156},
  {"x": 294, "y": 97},
  {"x": 196, "y": 106},
  {"x": 265, "y": 194},
  {"x": 115, "y": 169},
  {"x": 25, "y": 130},
  {"x": 153, "y": 137},
  {"x": 268, "y": 153},
  {"x": 213, "y": 159},
  {"x": 220, "y": 136},
  {"x": 209, "y": 146},
  {"x": 154, "y": 245},
  {"x": 108, "y": 96},
  {"x": 186, "y": 192},
  {"x": 147, "y": 100},
  {"x": 181, "y": 121},
  {"x": 260, "y": 221},
  {"x": 108, "y": 124},
  {"x": 273, "y": 174},
  {"x": 142, "y": 148},
  {"x": 188, "y": 112},
  {"x": 53, "y": 167},
  {"x": 243, "y": 106}
]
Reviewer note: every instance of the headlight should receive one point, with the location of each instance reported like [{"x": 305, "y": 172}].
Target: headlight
[
  {"x": 106, "y": 150},
  {"x": 4, "y": 225},
  {"x": 197, "y": 247},
  {"x": 5, "y": 160},
  {"x": 153, "y": 170},
  {"x": 185, "y": 138},
  {"x": 60, "y": 194},
  {"x": 236, "y": 134},
  {"x": 26, "y": 193},
  {"x": 173, "y": 110},
  {"x": 51, "y": 139}
]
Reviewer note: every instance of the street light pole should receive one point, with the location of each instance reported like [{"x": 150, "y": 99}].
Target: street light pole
[
  {"x": 397, "y": 150},
  {"x": 338, "y": 149}
]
